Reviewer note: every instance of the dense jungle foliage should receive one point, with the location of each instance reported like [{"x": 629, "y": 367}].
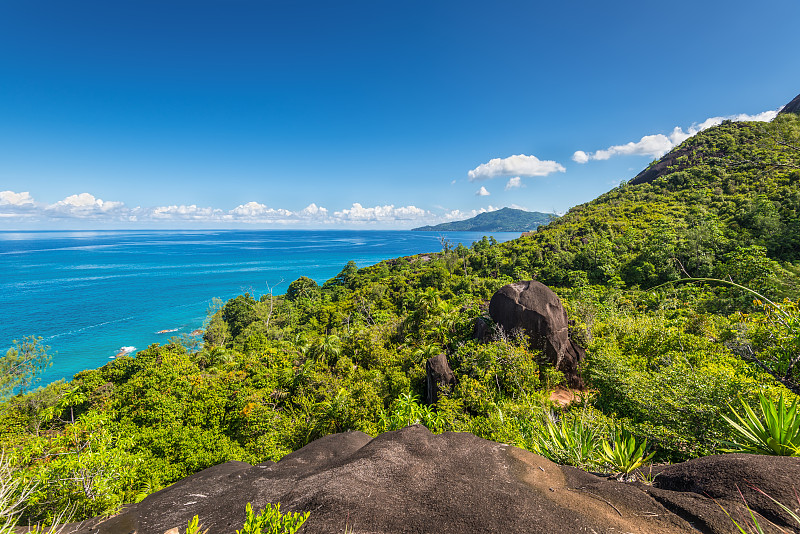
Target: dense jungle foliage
[{"x": 664, "y": 359}]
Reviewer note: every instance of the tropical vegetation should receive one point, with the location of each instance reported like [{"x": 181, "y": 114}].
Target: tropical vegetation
[{"x": 665, "y": 364}]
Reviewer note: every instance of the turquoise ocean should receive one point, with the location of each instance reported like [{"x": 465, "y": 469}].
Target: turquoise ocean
[{"x": 92, "y": 294}]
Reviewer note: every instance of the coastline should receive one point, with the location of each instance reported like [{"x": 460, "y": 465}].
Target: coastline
[{"x": 166, "y": 277}]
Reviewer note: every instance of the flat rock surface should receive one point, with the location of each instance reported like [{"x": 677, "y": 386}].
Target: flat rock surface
[{"x": 413, "y": 481}]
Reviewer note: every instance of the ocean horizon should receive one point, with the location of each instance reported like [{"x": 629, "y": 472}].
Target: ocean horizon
[{"x": 92, "y": 294}]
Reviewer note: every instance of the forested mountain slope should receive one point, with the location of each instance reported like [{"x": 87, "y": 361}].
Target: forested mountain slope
[{"x": 724, "y": 203}]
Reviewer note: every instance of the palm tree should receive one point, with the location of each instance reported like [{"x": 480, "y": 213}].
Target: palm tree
[
  {"x": 444, "y": 324},
  {"x": 422, "y": 304},
  {"x": 427, "y": 351},
  {"x": 331, "y": 415},
  {"x": 329, "y": 346}
]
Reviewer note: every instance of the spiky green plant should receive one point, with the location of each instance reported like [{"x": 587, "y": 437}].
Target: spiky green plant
[
  {"x": 407, "y": 410},
  {"x": 194, "y": 526},
  {"x": 572, "y": 442},
  {"x": 777, "y": 433},
  {"x": 623, "y": 454}
]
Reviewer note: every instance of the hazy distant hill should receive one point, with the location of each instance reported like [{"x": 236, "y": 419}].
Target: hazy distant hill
[{"x": 503, "y": 220}]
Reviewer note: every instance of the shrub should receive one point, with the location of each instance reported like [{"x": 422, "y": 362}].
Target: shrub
[
  {"x": 270, "y": 520},
  {"x": 777, "y": 433}
]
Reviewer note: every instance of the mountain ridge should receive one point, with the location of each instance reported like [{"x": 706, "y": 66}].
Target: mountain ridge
[
  {"x": 791, "y": 107},
  {"x": 502, "y": 220}
]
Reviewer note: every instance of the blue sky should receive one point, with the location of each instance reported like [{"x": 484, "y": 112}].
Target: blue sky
[{"x": 369, "y": 114}]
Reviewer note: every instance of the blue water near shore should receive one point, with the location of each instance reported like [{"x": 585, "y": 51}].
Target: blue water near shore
[{"x": 90, "y": 293}]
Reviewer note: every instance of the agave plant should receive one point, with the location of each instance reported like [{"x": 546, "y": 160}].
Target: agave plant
[
  {"x": 623, "y": 453},
  {"x": 567, "y": 442},
  {"x": 777, "y": 433}
]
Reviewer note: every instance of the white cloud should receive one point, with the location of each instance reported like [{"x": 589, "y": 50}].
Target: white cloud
[
  {"x": 458, "y": 215},
  {"x": 764, "y": 116},
  {"x": 187, "y": 213},
  {"x": 649, "y": 145},
  {"x": 17, "y": 205},
  {"x": 249, "y": 210},
  {"x": 312, "y": 210},
  {"x": 358, "y": 213},
  {"x": 87, "y": 206},
  {"x": 514, "y": 183},
  {"x": 21, "y": 207},
  {"x": 580, "y": 156},
  {"x": 482, "y": 192},
  {"x": 256, "y": 212},
  {"x": 657, "y": 145},
  {"x": 86, "y": 202},
  {"x": 520, "y": 165},
  {"x": 10, "y": 198}
]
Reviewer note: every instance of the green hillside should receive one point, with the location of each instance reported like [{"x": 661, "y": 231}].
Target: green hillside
[
  {"x": 502, "y": 220},
  {"x": 665, "y": 362},
  {"x": 724, "y": 203}
]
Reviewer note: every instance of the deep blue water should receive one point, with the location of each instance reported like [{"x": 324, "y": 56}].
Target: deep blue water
[{"x": 90, "y": 293}]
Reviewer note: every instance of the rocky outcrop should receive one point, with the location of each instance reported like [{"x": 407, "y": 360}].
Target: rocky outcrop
[
  {"x": 685, "y": 156},
  {"x": 663, "y": 166},
  {"x": 481, "y": 331},
  {"x": 535, "y": 309},
  {"x": 413, "y": 481},
  {"x": 689, "y": 487},
  {"x": 792, "y": 107},
  {"x": 437, "y": 375}
]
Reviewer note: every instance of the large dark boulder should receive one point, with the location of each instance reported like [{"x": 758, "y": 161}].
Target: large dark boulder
[
  {"x": 437, "y": 375},
  {"x": 404, "y": 481},
  {"x": 414, "y": 481},
  {"x": 686, "y": 488},
  {"x": 535, "y": 309}
]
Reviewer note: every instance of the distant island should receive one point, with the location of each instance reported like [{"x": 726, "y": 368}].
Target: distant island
[{"x": 503, "y": 220}]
